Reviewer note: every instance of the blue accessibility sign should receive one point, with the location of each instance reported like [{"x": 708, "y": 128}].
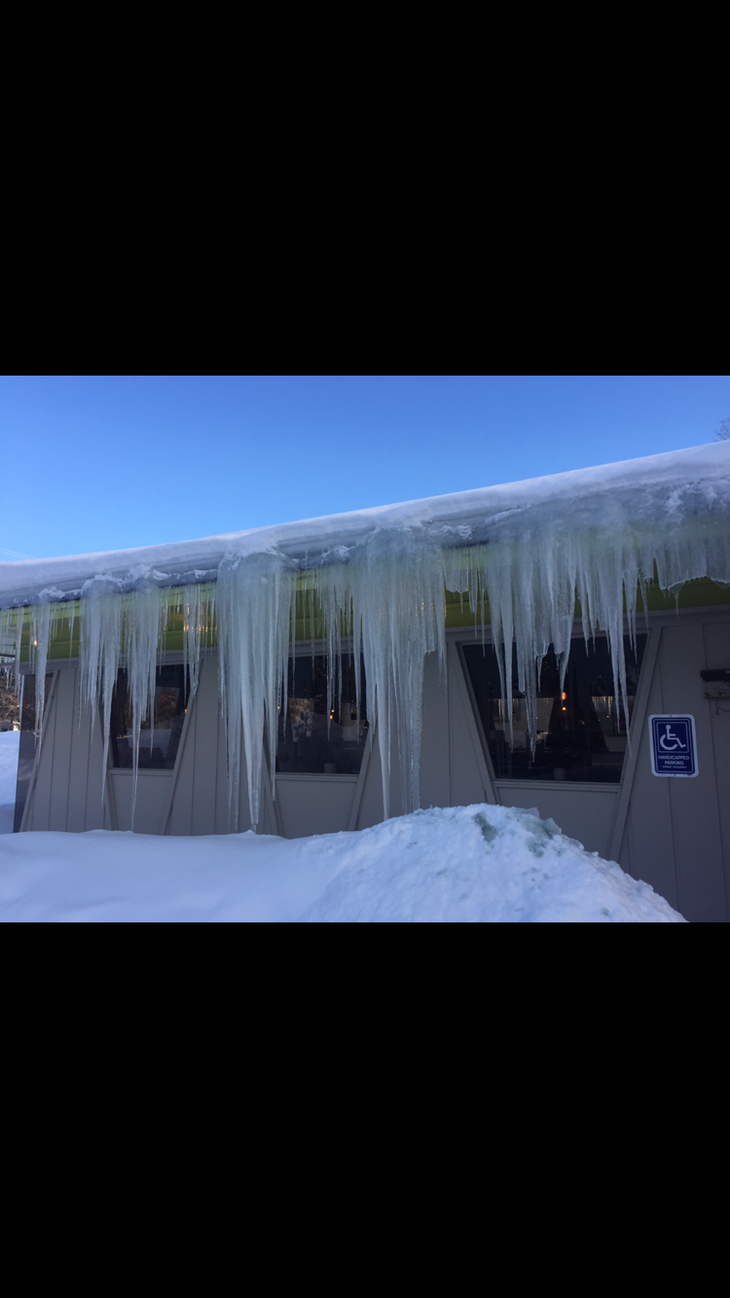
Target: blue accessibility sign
[{"x": 673, "y": 745}]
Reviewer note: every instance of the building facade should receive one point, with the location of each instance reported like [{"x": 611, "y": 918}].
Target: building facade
[{"x": 419, "y": 683}]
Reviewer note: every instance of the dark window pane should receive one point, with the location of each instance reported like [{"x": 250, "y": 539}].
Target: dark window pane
[
  {"x": 159, "y": 735},
  {"x": 310, "y": 740},
  {"x": 580, "y": 734}
]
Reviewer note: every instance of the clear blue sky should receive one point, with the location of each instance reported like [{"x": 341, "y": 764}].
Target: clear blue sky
[{"x": 102, "y": 463}]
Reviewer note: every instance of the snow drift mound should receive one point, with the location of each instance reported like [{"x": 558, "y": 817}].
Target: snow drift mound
[
  {"x": 482, "y": 863},
  {"x": 465, "y": 864}
]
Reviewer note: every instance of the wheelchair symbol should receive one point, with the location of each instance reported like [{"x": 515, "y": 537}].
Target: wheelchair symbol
[{"x": 669, "y": 742}]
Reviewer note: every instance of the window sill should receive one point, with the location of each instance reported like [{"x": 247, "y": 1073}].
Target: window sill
[
  {"x": 287, "y": 777},
  {"x": 591, "y": 785},
  {"x": 127, "y": 772}
]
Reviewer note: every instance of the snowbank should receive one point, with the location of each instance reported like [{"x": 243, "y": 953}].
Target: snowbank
[
  {"x": 465, "y": 864},
  {"x": 9, "y": 744}
]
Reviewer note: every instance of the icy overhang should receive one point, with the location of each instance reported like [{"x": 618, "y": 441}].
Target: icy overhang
[{"x": 680, "y": 490}]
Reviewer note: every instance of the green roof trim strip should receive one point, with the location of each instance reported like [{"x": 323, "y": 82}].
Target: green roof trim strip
[{"x": 64, "y": 640}]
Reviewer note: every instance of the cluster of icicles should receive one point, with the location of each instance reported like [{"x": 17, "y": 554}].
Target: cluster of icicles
[{"x": 383, "y": 602}]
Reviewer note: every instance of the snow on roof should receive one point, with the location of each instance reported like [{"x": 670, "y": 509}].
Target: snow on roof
[{"x": 669, "y": 489}]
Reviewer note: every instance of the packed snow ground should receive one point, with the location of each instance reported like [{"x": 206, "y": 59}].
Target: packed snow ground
[
  {"x": 9, "y": 742},
  {"x": 465, "y": 864}
]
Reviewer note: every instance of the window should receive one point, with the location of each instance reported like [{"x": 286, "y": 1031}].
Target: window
[
  {"x": 581, "y": 736},
  {"x": 311, "y": 740},
  {"x": 160, "y": 734}
]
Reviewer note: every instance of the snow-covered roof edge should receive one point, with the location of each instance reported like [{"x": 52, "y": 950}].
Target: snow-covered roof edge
[{"x": 672, "y": 488}]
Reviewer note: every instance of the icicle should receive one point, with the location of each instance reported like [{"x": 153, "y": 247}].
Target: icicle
[
  {"x": 397, "y": 586},
  {"x": 143, "y": 620},
  {"x": 129, "y": 630},
  {"x": 100, "y": 653},
  {"x": 71, "y": 620},
  {"x": 11, "y": 633},
  {"x": 193, "y": 608},
  {"x": 40, "y": 632},
  {"x": 334, "y": 610},
  {"x": 256, "y": 602}
]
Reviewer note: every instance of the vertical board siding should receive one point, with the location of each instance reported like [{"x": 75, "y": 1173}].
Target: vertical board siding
[
  {"x": 469, "y": 779},
  {"x": 675, "y": 830},
  {"x": 648, "y": 834},
  {"x": 79, "y": 759},
  {"x": 694, "y": 803},
  {"x": 717, "y": 655},
  {"x": 435, "y": 764},
  {"x": 62, "y": 746},
  {"x": 204, "y": 746}
]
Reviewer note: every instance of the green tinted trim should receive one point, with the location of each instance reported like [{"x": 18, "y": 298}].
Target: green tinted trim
[
  {"x": 694, "y": 594},
  {"x": 701, "y": 593},
  {"x": 309, "y": 625}
]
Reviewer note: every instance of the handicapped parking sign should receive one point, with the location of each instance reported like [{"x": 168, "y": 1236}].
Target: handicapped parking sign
[{"x": 673, "y": 745}]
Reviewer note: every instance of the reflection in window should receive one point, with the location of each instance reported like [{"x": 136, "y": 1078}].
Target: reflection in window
[
  {"x": 160, "y": 734},
  {"x": 311, "y": 740},
  {"x": 581, "y": 735}
]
